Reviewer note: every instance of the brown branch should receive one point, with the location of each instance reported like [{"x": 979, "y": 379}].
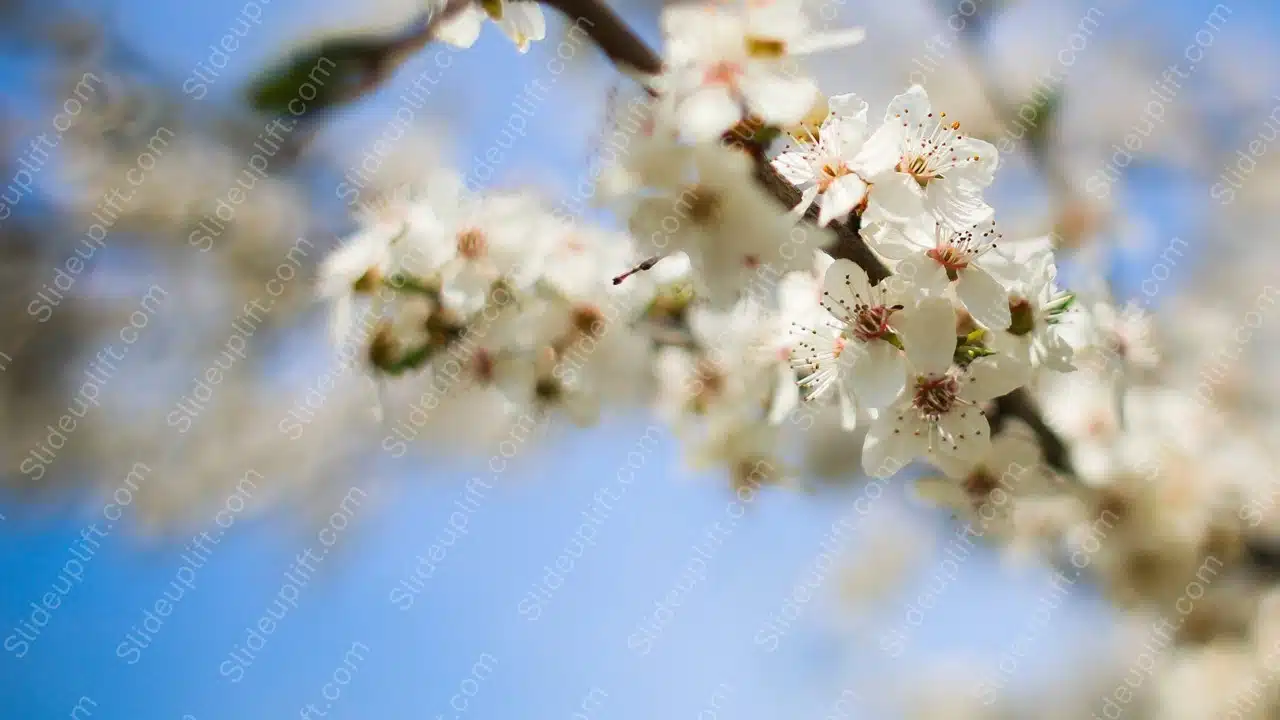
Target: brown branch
[{"x": 610, "y": 33}]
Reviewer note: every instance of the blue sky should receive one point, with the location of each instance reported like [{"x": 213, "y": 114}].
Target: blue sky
[{"x": 417, "y": 659}]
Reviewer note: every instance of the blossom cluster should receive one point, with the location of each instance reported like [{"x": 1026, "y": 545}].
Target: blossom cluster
[
  {"x": 736, "y": 306},
  {"x": 877, "y": 318}
]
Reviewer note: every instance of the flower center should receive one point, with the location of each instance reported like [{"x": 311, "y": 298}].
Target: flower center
[
  {"x": 723, "y": 73},
  {"x": 979, "y": 485},
  {"x": 492, "y": 8},
  {"x": 830, "y": 172},
  {"x": 918, "y": 168},
  {"x": 482, "y": 365},
  {"x": 935, "y": 395},
  {"x": 871, "y": 322},
  {"x": 1024, "y": 319},
  {"x": 588, "y": 320},
  {"x": 765, "y": 48},
  {"x": 704, "y": 204},
  {"x": 471, "y": 244},
  {"x": 951, "y": 258}
]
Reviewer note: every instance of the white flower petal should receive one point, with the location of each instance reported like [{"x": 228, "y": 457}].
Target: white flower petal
[
  {"x": 786, "y": 395},
  {"x": 992, "y": 376},
  {"x": 463, "y": 28},
  {"x": 957, "y": 203},
  {"x": 777, "y": 98},
  {"x": 817, "y": 42},
  {"x": 878, "y": 375},
  {"x": 924, "y": 273},
  {"x": 895, "y": 197},
  {"x": 928, "y": 333},
  {"x": 709, "y": 112},
  {"x": 848, "y": 410},
  {"x": 848, "y": 105},
  {"x": 896, "y": 438},
  {"x": 910, "y": 106},
  {"x": 795, "y": 166},
  {"x": 966, "y": 434},
  {"x": 880, "y": 154},
  {"x": 841, "y": 197},
  {"x": 845, "y": 286},
  {"x": 984, "y": 297},
  {"x": 806, "y": 200}
]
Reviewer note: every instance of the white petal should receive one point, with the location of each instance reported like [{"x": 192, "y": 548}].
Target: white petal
[
  {"x": 984, "y": 297},
  {"x": 878, "y": 375},
  {"x": 795, "y": 167},
  {"x": 786, "y": 395},
  {"x": 848, "y": 105},
  {"x": 880, "y": 154},
  {"x": 924, "y": 273},
  {"x": 341, "y": 319},
  {"x": 841, "y": 197},
  {"x": 709, "y": 112},
  {"x": 992, "y": 376},
  {"x": 896, "y": 438},
  {"x": 818, "y": 42},
  {"x": 462, "y": 29},
  {"x": 978, "y": 172},
  {"x": 848, "y": 409},
  {"x": 777, "y": 98},
  {"x": 966, "y": 434},
  {"x": 928, "y": 333},
  {"x": 896, "y": 241},
  {"x": 844, "y": 286},
  {"x": 806, "y": 199},
  {"x": 910, "y": 106},
  {"x": 957, "y": 203},
  {"x": 896, "y": 197}
]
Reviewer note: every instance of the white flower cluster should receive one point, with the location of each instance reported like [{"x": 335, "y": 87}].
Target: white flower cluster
[{"x": 745, "y": 307}]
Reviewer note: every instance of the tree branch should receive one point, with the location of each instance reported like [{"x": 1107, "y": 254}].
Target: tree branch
[{"x": 610, "y": 34}]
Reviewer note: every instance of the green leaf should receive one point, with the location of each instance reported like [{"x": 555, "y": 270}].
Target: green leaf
[{"x": 332, "y": 72}]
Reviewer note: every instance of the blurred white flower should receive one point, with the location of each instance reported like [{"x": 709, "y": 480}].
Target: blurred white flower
[{"x": 726, "y": 61}]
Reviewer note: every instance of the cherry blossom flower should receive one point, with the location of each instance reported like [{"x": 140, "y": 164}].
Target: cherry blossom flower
[
  {"x": 833, "y": 168},
  {"x": 937, "y": 170},
  {"x": 857, "y": 350},
  {"x": 934, "y": 256},
  {"x": 940, "y": 413},
  {"x": 706, "y": 203},
  {"x": 1037, "y": 311},
  {"x": 725, "y": 61},
  {"x": 519, "y": 20}
]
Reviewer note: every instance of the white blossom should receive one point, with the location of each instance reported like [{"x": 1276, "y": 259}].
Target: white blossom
[
  {"x": 832, "y": 168},
  {"x": 940, "y": 412},
  {"x": 724, "y": 61},
  {"x": 936, "y": 168},
  {"x": 935, "y": 257},
  {"x": 519, "y": 20}
]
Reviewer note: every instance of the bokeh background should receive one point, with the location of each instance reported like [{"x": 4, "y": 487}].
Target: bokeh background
[{"x": 463, "y": 647}]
